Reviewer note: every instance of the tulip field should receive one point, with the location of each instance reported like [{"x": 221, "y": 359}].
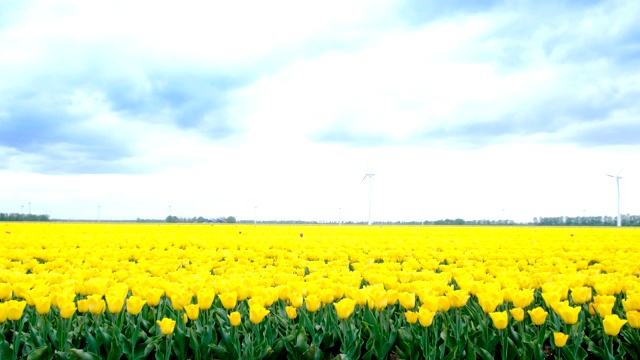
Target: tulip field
[{"x": 160, "y": 291}]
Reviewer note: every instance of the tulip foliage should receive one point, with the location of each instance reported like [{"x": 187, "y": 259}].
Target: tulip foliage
[{"x": 123, "y": 291}]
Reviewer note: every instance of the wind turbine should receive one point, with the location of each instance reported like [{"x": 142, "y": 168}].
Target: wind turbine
[
  {"x": 618, "y": 177},
  {"x": 369, "y": 175}
]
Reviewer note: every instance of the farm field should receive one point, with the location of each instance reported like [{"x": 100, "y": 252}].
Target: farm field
[{"x": 125, "y": 291}]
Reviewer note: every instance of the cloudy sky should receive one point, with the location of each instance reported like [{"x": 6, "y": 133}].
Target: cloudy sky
[{"x": 277, "y": 109}]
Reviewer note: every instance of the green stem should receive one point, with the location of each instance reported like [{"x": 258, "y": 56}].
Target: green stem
[{"x": 167, "y": 353}]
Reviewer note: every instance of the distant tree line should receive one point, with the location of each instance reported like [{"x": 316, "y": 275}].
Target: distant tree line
[
  {"x": 199, "y": 220},
  {"x": 23, "y": 217},
  {"x": 627, "y": 220}
]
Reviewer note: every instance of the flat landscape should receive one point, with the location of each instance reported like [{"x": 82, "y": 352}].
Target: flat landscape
[{"x": 267, "y": 291}]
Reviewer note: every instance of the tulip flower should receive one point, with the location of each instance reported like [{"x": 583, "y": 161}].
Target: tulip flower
[
  {"x": 488, "y": 303},
  {"x": 458, "y": 298},
  {"x": 257, "y": 313},
  {"x": 166, "y": 326},
  {"x": 153, "y": 295},
  {"x": 43, "y": 305},
  {"x": 500, "y": 319},
  {"x": 83, "y": 305},
  {"x": 235, "y": 318},
  {"x": 313, "y": 302},
  {"x": 3, "y": 312},
  {"x": 326, "y": 296},
  {"x": 517, "y": 313},
  {"x": 633, "y": 317},
  {"x": 411, "y": 316},
  {"x": 604, "y": 309},
  {"x": 15, "y": 309},
  {"x": 569, "y": 314},
  {"x": 431, "y": 302},
  {"x": 228, "y": 299},
  {"x": 5, "y": 291},
  {"x": 96, "y": 304},
  {"x": 115, "y": 302},
  {"x": 631, "y": 303},
  {"x": 425, "y": 317},
  {"x": 522, "y": 298},
  {"x": 135, "y": 304},
  {"x": 581, "y": 295},
  {"x": 407, "y": 300},
  {"x": 612, "y": 325},
  {"x": 292, "y": 313},
  {"x": 67, "y": 309},
  {"x": 192, "y": 310},
  {"x": 205, "y": 298},
  {"x": 344, "y": 308},
  {"x": 560, "y": 339},
  {"x": 538, "y": 315},
  {"x": 443, "y": 303}
]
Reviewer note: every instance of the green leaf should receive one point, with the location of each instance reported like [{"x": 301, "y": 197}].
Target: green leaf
[
  {"x": 5, "y": 350},
  {"x": 484, "y": 354},
  {"x": 594, "y": 349},
  {"x": 39, "y": 353},
  {"x": 115, "y": 353},
  {"x": 83, "y": 355}
]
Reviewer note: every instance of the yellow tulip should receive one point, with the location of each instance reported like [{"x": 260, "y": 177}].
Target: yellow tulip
[
  {"x": 538, "y": 315},
  {"x": 153, "y": 295},
  {"x": 425, "y": 317},
  {"x": 412, "y": 317},
  {"x": 569, "y": 314},
  {"x": 407, "y": 300},
  {"x": 295, "y": 299},
  {"x": 612, "y": 325},
  {"x": 522, "y": 298},
  {"x": 115, "y": 302},
  {"x": 458, "y": 298},
  {"x": 633, "y": 317},
  {"x": 228, "y": 299},
  {"x": 257, "y": 313},
  {"x": 604, "y": 309},
  {"x": 500, "y": 319},
  {"x": 378, "y": 298},
  {"x": 5, "y": 291},
  {"x": 443, "y": 303},
  {"x": 345, "y": 307},
  {"x": 135, "y": 304},
  {"x": 3, "y": 312},
  {"x": 15, "y": 309},
  {"x": 180, "y": 299},
  {"x": 192, "y": 310},
  {"x": 431, "y": 303},
  {"x": 581, "y": 295},
  {"x": 205, "y": 298},
  {"x": 67, "y": 309},
  {"x": 560, "y": 339},
  {"x": 166, "y": 326},
  {"x": 43, "y": 305},
  {"x": 631, "y": 303},
  {"x": 96, "y": 304},
  {"x": 83, "y": 305},
  {"x": 326, "y": 296},
  {"x": 235, "y": 318},
  {"x": 313, "y": 302},
  {"x": 517, "y": 313},
  {"x": 489, "y": 302},
  {"x": 292, "y": 313}
]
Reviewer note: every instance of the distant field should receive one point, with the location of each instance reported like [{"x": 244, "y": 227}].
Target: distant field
[{"x": 459, "y": 277}]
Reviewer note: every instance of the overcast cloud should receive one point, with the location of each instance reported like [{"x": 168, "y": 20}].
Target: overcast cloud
[{"x": 277, "y": 109}]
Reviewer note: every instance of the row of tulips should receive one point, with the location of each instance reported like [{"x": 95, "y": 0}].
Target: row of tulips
[
  {"x": 455, "y": 325},
  {"x": 127, "y": 291}
]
